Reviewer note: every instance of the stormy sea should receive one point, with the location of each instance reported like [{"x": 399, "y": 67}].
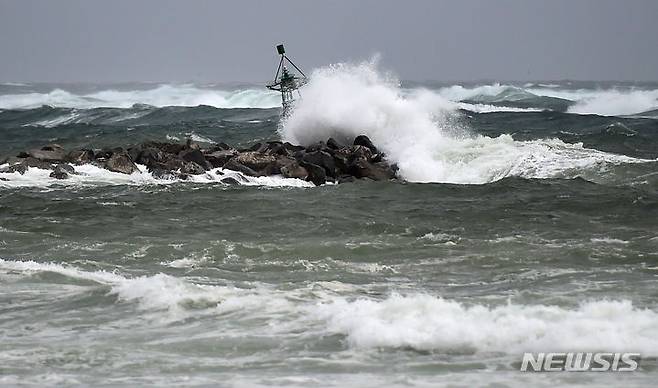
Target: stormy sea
[{"x": 524, "y": 219}]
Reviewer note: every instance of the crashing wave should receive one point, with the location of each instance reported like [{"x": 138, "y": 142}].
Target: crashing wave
[
  {"x": 415, "y": 321},
  {"x": 422, "y": 134}
]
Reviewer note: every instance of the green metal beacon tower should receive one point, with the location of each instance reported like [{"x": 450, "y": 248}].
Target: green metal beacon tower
[{"x": 287, "y": 82}]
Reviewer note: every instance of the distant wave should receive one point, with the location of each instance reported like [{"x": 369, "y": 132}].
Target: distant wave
[
  {"x": 494, "y": 97},
  {"x": 164, "y": 95},
  {"x": 604, "y": 102},
  {"x": 421, "y": 132},
  {"x": 611, "y": 102}
]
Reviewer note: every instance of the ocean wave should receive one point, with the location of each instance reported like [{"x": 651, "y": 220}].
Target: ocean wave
[
  {"x": 605, "y": 102},
  {"x": 425, "y": 322},
  {"x": 415, "y": 321},
  {"x": 163, "y": 95},
  {"x": 172, "y": 297},
  {"x": 156, "y": 292},
  {"x": 613, "y": 101},
  {"x": 421, "y": 131},
  {"x": 89, "y": 174}
]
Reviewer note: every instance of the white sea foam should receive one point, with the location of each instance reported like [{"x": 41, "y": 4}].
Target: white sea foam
[
  {"x": 611, "y": 101},
  {"x": 420, "y": 131},
  {"x": 606, "y": 102},
  {"x": 459, "y": 92},
  {"x": 88, "y": 174},
  {"x": 161, "y": 292},
  {"x": 163, "y": 95},
  {"x": 157, "y": 292},
  {"x": 29, "y": 266},
  {"x": 417, "y": 321},
  {"x": 425, "y": 322}
]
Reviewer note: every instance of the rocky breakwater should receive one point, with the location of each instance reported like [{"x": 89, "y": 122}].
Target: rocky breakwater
[{"x": 318, "y": 163}]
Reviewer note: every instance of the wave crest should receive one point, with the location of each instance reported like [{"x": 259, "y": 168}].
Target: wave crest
[
  {"x": 423, "y": 322},
  {"x": 163, "y": 95}
]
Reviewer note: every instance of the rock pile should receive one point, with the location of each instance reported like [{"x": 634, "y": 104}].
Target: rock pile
[{"x": 318, "y": 163}]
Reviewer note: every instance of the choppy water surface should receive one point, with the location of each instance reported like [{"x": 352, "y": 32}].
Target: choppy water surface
[{"x": 527, "y": 223}]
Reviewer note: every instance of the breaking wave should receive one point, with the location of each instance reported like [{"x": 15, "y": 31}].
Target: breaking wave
[
  {"x": 421, "y": 131},
  {"x": 417, "y": 321},
  {"x": 424, "y": 322},
  {"x": 607, "y": 101},
  {"x": 163, "y": 95},
  {"x": 604, "y": 102}
]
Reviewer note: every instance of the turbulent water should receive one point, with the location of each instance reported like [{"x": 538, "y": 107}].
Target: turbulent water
[{"x": 526, "y": 222}]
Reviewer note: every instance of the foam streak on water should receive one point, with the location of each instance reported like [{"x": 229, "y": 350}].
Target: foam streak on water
[{"x": 89, "y": 174}]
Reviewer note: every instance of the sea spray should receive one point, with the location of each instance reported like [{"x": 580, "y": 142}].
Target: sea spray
[{"x": 422, "y": 132}]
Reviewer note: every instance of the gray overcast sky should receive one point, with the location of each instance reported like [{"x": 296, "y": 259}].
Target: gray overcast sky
[{"x": 194, "y": 40}]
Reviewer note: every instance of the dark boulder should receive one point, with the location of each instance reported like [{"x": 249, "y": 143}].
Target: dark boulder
[
  {"x": 61, "y": 172},
  {"x": 293, "y": 148},
  {"x": 196, "y": 156},
  {"x": 170, "y": 163},
  {"x": 80, "y": 156},
  {"x": 121, "y": 162},
  {"x": 363, "y": 140},
  {"x": 359, "y": 151},
  {"x": 280, "y": 162},
  {"x": 59, "y": 175},
  {"x": 334, "y": 144},
  {"x": 277, "y": 148},
  {"x": 51, "y": 152},
  {"x": 234, "y": 165},
  {"x": 316, "y": 146},
  {"x": 258, "y": 147},
  {"x": 341, "y": 160},
  {"x": 346, "y": 178},
  {"x": 316, "y": 174},
  {"x": 294, "y": 170},
  {"x": 230, "y": 181},
  {"x": 134, "y": 153},
  {"x": 37, "y": 163},
  {"x": 254, "y": 160},
  {"x": 220, "y": 157},
  {"x": 24, "y": 163},
  {"x": 323, "y": 160},
  {"x": 376, "y": 158},
  {"x": 159, "y": 173},
  {"x": 167, "y": 148},
  {"x": 102, "y": 155},
  {"x": 65, "y": 168},
  {"x": 192, "y": 168},
  {"x": 150, "y": 156},
  {"x": 362, "y": 168}
]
